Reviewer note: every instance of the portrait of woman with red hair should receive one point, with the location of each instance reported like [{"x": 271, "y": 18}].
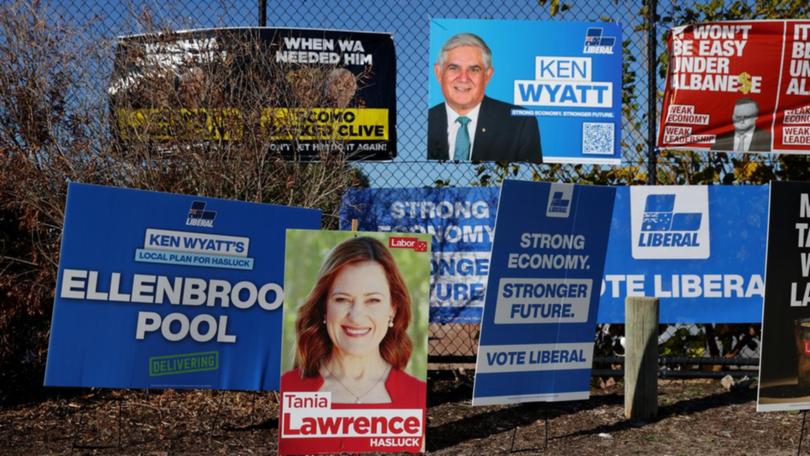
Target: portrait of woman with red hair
[{"x": 352, "y": 331}]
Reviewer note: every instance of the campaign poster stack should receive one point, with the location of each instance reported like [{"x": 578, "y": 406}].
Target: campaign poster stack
[
  {"x": 158, "y": 290},
  {"x": 699, "y": 249},
  {"x": 308, "y": 93},
  {"x": 784, "y": 370},
  {"x": 341, "y": 303},
  {"x": 566, "y": 75},
  {"x": 461, "y": 222},
  {"x": 739, "y": 86},
  {"x": 539, "y": 318}
]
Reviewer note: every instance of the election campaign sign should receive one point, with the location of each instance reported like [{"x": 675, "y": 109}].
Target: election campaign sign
[
  {"x": 661, "y": 244},
  {"x": 461, "y": 222},
  {"x": 738, "y": 86},
  {"x": 305, "y": 92},
  {"x": 355, "y": 342},
  {"x": 784, "y": 369},
  {"x": 699, "y": 249},
  {"x": 525, "y": 91},
  {"x": 158, "y": 290},
  {"x": 540, "y": 314}
]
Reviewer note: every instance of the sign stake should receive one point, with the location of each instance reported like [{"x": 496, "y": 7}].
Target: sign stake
[{"x": 641, "y": 358}]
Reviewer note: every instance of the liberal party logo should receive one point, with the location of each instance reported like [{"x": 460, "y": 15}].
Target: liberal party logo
[
  {"x": 670, "y": 222},
  {"x": 559, "y": 200},
  {"x": 198, "y": 216},
  {"x": 595, "y": 43}
]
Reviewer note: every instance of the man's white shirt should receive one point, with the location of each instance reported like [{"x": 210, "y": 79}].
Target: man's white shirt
[
  {"x": 453, "y": 126},
  {"x": 742, "y": 142}
]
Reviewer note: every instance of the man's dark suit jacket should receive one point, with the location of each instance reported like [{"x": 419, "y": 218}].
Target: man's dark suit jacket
[
  {"x": 499, "y": 137},
  {"x": 760, "y": 142}
]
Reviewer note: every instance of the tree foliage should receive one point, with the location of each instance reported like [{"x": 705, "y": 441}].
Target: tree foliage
[{"x": 55, "y": 128}]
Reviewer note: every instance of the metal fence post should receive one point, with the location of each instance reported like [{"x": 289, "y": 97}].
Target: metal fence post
[
  {"x": 652, "y": 90},
  {"x": 262, "y": 13}
]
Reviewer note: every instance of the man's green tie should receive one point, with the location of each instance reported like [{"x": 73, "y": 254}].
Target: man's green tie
[{"x": 462, "y": 151}]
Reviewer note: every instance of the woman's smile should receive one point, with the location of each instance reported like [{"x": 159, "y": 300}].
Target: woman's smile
[
  {"x": 353, "y": 331},
  {"x": 358, "y": 309}
]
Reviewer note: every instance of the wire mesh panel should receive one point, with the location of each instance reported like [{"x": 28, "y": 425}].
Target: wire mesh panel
[{"x": 409, "y": 23}]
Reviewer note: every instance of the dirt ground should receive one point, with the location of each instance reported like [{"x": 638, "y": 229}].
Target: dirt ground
[{"x": 695, "y": 417}]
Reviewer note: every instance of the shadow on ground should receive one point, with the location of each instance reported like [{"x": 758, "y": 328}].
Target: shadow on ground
[{"x": 489, "y": 422}]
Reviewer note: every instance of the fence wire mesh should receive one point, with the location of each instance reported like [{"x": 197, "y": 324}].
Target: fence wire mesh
[{"x": 102, "y": 21}]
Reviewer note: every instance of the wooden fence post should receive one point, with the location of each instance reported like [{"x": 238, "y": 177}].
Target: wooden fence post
[{"x": 641, "y": 358}]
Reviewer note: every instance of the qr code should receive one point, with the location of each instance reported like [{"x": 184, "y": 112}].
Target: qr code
[{"x": 597, "y": 138}]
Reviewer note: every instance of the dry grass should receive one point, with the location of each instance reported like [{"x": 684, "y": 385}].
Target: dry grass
[{"x": 699, "y": 417}]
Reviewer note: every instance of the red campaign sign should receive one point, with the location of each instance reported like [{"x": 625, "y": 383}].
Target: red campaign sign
[
  {"x": 738, "y": 86},
  {"x": 311, "y": 423},
  {"x": 356, "y": 326}
]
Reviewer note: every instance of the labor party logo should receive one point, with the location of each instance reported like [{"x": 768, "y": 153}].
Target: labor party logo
[
  {"x": 670, "y": 222},
  {"x": 559, "y": 200},
  {"x": 402, "y": 242}
]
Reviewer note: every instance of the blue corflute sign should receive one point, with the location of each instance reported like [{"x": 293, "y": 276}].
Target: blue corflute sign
[
  {"x": 527, "y": 91},
  {"x": 542, "y": 293},
  {"x": 461, "y": 221},
  {"x": 161, "y": 290},
  {"x": 699, "y": 249}
]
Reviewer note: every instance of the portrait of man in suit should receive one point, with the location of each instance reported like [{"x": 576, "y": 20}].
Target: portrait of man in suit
[
  {"x": 469, "y": 125},
  {"x": 746, "y": 137}
]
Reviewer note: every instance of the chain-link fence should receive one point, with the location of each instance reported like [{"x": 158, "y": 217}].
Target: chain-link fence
[{"x": 409, "y": 22}]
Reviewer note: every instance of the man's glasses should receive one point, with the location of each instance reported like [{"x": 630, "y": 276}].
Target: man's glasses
[{"x": 739, "y": 118}]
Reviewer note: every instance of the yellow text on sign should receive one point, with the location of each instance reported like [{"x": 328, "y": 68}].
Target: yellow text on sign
[
  {"x": 168, "y": 124},
  {"x": 368, "y": 124}
]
